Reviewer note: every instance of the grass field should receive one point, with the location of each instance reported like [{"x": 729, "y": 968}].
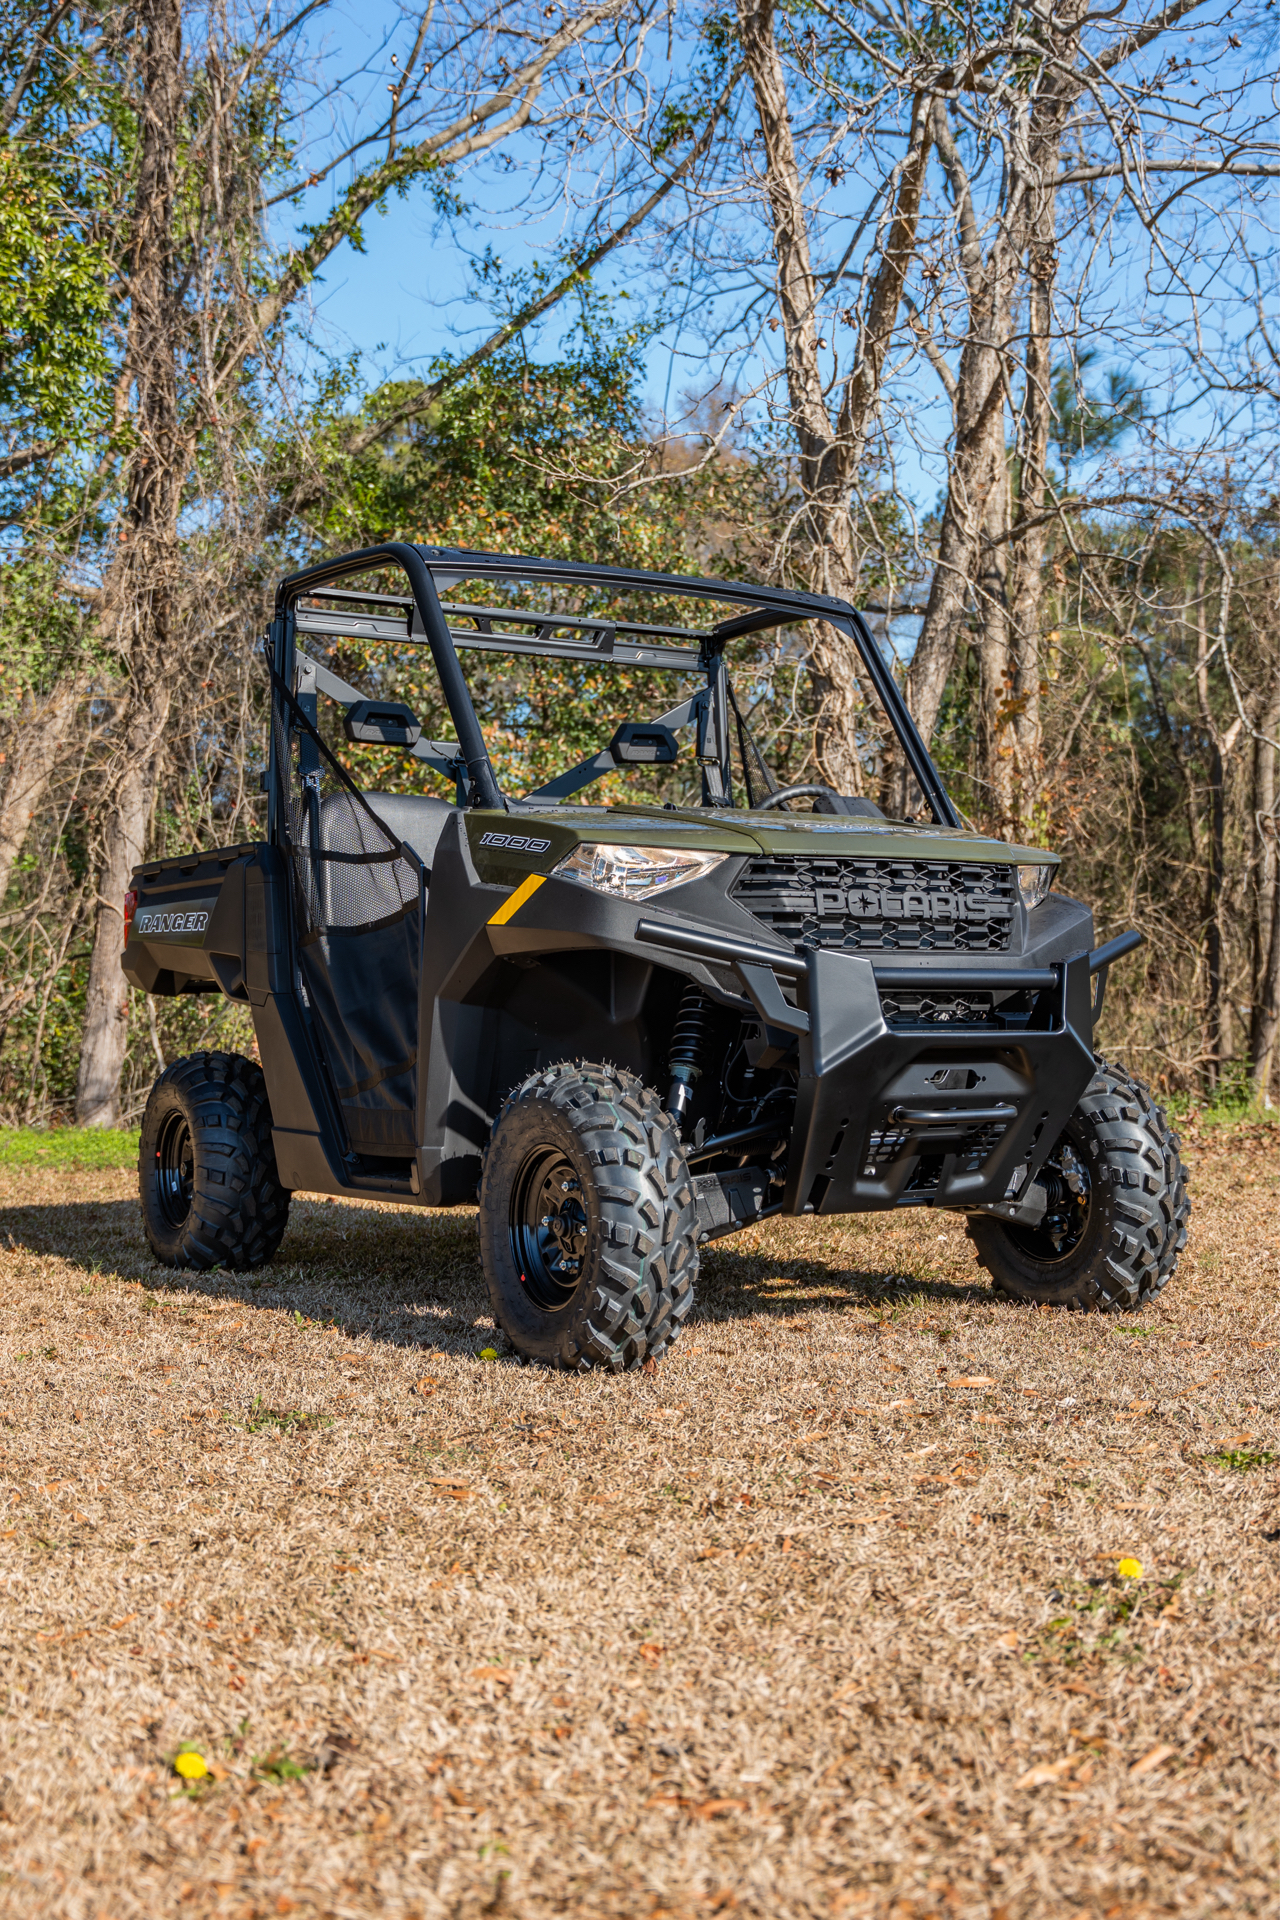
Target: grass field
[
  {"x": 66, "y": 1147},
  {"x": 821, "y": 1617}
]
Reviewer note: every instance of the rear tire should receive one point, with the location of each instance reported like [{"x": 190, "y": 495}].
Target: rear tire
[
  {"x": 207, "y": 1177},
  {"x": 1121, "y": 1209},
  {"x": 588, "y": 1224}
]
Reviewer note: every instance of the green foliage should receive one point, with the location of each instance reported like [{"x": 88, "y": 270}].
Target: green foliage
[
  {"x": 40, "y": 1041},
  {"x": 41, "y": 625},
  {"x": 513, "y": 459},
  {"x": 1234, "y": 1101},
  {"x": 1242, "y": 1459},
  {"x": 56, "y": 264},
  {"x": 67, "y": 1147},
  {"x": 53, "y": 308}
]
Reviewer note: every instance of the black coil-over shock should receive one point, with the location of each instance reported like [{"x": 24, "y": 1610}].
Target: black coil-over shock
[{"x": 686, "y": 1045}]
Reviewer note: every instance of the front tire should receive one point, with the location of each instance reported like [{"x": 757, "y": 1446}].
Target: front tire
[
  {"x": 207, "y": 1177},
  {"x": 1118, "y": 1212},
  {"x": 588, "y": 1225}
]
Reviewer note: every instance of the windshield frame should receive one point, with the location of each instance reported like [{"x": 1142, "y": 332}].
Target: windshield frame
[{"x": 423, "y": 617}]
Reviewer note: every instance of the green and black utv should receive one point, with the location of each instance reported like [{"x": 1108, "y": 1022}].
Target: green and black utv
[{"x": 625, "y": 1029}]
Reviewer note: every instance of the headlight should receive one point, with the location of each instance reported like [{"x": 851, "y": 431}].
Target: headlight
[
  {"x": 1034, "y": 883},
  {"x": 634, "y": 873}
]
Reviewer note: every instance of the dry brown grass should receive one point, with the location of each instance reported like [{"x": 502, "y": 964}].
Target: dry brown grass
[{"x": 799, "y": 1624}]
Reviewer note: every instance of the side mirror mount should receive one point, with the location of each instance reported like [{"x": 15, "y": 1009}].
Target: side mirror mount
[
  {"x": 381, "y": 723},
  {"x": 644, "y": 743}
]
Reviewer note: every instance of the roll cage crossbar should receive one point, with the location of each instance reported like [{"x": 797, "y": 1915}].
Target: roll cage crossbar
[{"x": 314, "y": 601}]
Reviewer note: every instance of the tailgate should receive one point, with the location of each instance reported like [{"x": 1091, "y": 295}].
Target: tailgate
[{"x": 187, "y": 929}]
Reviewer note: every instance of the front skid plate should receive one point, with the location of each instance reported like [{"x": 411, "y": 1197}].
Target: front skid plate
[{"x": 853, "y": 1152}]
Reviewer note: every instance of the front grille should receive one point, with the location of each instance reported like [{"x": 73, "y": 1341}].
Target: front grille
[
  {"x": 885, "y": 1144},
  {"x": 882, "y": 906},
  {"x": 938, "y": 1009},
  {"x": 980, "y": 1146}
]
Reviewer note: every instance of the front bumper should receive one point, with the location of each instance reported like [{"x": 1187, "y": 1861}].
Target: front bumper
[
  {"x": 943, "y": 1116},
  {"x": 934, "y": 1114}
]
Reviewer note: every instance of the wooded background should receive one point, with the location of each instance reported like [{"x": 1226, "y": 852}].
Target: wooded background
[{"x": 970, "y": 313}]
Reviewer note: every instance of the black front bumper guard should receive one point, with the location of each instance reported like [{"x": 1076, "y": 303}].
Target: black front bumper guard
[{"x": 869, "y": 1131}]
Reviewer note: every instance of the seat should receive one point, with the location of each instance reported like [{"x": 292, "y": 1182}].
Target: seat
[
  {"x": 416, "y": 818},
  {"x": 361, "y": 884}
]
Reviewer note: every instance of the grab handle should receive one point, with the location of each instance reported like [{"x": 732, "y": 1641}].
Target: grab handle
[{"x": 1101, "y": 958}]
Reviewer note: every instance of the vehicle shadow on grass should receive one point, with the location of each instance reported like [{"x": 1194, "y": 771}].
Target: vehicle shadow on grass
[
  {"x": 742, "y": 1283},
  {"x": 398, "y": 1277},
  {"x": 414, "y": 1280}
]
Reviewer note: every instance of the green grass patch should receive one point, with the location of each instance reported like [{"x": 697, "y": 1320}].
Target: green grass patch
[
  {"x": 279, "y": 1767},
  {"x": 1103, "y": 1617},
  {"x": 1241, "y": 1459},
  {"x": 261, "y": 1418},
  {"x": 69, "y": 1147},
  {"x": 1235, "y": 1101}
]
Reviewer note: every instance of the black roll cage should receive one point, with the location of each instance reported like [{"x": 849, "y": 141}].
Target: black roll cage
[{"x": 425, "y": 617}]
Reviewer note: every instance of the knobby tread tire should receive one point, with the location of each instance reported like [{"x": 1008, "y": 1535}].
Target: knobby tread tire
[
  {"x": 641, "y": 1261},
  {"x": 239, "y": 1210},
  {"x": 1139, "y": 1187}
]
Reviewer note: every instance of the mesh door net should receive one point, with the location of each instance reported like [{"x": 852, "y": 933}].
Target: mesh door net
[{"x": 358, "y": 894}]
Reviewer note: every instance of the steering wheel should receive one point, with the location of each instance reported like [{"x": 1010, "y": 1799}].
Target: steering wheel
[{"x": 791, "y": 793}]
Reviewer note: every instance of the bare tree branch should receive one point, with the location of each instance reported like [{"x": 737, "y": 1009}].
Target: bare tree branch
[
  {"x": 1203, "y": 169},
  {"x": 427, "y": 395},
  {"x": 9, "y": 111},
  {"x": 11, "y": 463},
  {"x": 1134, "y": 42},
  {"x": 463, "y": 136}
]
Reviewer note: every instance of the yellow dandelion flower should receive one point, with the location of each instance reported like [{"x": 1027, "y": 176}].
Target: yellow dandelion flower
[
  {"x": 488, "y": 1353},
  {"x": 190, "y": 1766},
  {"x": 1129, "y": 1569}
]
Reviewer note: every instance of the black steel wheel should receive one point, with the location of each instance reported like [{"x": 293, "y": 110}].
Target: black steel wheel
[
  {"x": 548, "y": 1228},
  {"x": 1116, "y": 1210},
  {"x": 207, "y": 1180},
  {"x": 174, "y": 1169},
  {"x": 588, "y": 1224}
]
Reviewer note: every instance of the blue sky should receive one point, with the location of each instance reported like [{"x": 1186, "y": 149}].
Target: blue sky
[{"x": 407, "y": 296}]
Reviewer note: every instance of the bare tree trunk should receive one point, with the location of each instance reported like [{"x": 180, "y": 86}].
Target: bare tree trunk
[
  {"x": 1265, "y": 996},
  {"x": 141, "y": 592},
  {"x": 39, "y": 733},
  {"x": 1217, "y": 1012},
  {"x": 995, "y": 757},
  {"x": 106, "y": 1019},
  {"x": 1028, "y": 218},
  {"x": 1049, "y": 116},
  {"x": 978, "y": 448},
  {"x": 1217, "y": 1007},
  {"x": 830, "y": 454},
  {"x": 1028, "y": 559}
]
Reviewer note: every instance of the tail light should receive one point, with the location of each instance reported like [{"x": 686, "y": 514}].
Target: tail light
[{"x": 130, "y": 908}]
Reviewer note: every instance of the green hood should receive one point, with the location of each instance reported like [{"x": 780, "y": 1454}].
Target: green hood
[{"x": 551, "y": 832}]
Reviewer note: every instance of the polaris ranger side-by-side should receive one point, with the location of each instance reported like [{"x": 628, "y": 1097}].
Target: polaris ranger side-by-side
[{"x": 625, "y": 1029}]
